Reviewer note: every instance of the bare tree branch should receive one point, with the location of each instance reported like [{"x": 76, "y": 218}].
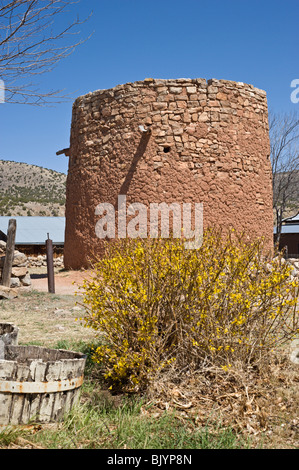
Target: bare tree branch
[
  {"x": 284, "y": 143},
  {"x": 31, "y": 44}
]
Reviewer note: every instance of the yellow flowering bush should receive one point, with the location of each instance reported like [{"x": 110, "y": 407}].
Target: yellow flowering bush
[{"x": 155, "y": 303}]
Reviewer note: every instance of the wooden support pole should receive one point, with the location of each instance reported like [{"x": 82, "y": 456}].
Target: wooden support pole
[
  {"x": 50, "y": 266},
  {"x": 9, "y": 255}
]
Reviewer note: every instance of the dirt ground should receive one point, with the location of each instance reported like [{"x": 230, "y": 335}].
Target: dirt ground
[
  {"x": 66, "y": 282},
  {"x": 45, "y": 319}
]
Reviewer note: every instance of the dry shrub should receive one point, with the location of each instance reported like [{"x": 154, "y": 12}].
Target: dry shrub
[{"x": 158, "y": 306}]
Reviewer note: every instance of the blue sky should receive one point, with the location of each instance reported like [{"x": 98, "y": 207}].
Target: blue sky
[{"x": 252, "y": 41}]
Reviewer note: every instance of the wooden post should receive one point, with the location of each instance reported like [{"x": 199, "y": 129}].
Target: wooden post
[
  {"x": 50, "y": 266},
  {"x": 9, "y": 255}
]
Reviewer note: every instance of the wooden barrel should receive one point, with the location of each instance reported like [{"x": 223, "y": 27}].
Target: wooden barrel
[
  {"x": 8, "y": 335},
  {"x": 38, "y": 384}
]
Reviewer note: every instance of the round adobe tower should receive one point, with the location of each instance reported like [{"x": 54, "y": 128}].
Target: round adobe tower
[{"x": 205, "y": 142}]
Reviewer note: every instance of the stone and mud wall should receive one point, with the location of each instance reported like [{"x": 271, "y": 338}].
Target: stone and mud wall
[{"x": 207, "y": 142}]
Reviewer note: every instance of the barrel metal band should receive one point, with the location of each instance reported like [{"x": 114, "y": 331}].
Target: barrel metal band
[{"x": 8, "y": 386}]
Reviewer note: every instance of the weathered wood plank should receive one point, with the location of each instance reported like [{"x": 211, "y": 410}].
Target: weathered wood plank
[
  {"x": 5, "y": 406},
  {"x": 50, "y": 266},
  {"x": 22, "y": 373},
  {"x": 9, "y": 255},
  {"x": 38, "y": 369}
]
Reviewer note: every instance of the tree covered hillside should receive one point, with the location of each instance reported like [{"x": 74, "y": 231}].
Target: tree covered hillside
[{"x": 31, "y": 190}]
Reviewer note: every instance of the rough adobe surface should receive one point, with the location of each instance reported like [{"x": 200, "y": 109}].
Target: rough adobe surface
[{"x": 209, "y": 143}]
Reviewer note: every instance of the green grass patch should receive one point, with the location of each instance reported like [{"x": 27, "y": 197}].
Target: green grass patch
[{"x": 102, "y": 424}]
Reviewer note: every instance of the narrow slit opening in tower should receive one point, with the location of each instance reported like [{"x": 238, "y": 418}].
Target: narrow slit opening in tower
[{"x": 166, "y": 149}]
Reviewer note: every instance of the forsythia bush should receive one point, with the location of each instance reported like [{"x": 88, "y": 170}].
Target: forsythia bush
[{"x": 156, "y": 303}]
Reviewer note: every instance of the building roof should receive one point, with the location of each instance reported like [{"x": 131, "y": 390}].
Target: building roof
[
  {"x": 292, "y": 228},
  {"x": 293, "y": 220},
  {"x": 289, "y": 225},
  {"x": 34, "y": 230}
]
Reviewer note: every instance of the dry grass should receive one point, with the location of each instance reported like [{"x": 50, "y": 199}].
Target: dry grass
[
  {"x": 261, "y": 404},
  {"x": 44, "y": 319}
]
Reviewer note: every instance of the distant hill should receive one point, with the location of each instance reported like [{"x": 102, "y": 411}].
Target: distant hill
[{"x": 31, "y": 190}]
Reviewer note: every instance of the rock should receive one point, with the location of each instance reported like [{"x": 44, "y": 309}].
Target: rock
[
  {"x": 294, "y": 262},
  {"x": 293, "y": 271},
  {"x": 191, "y": 90},
  {"x": 2, "y": 245},
  {"x": 26, "y": 280},
  {"x": 19, "y": 258},
  {"x": 203, "y": 117},
  {"x": 277, "y": 259},
  {"x": 19, "y": 272},
  {"x": 24, "y": 289},
  {"x": 294, "y": 356},
  {"x": 7, "y": 293},
  {"x": 77, "y": 309},
  {"x": 269, "y": 267},
  {"x": 157, "y": 165},
  {"x": 176, "y": 90},
  {"x": 61, "y": 312},
  {"x": 15, "y": 282}
]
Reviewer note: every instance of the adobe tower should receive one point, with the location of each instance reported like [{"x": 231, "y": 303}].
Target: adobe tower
[{"x": 185, "y": 140}]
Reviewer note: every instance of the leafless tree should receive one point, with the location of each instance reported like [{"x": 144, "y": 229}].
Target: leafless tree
[
  {"x": 284, "y": 142},
  {"x": 31, "y": 43}
]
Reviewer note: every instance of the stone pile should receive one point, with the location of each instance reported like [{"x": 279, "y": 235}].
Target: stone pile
[
  {"x": 20, "y": 277},
  {"x": 295, "y": 263},
  {"x": 41, "y": 260}
]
